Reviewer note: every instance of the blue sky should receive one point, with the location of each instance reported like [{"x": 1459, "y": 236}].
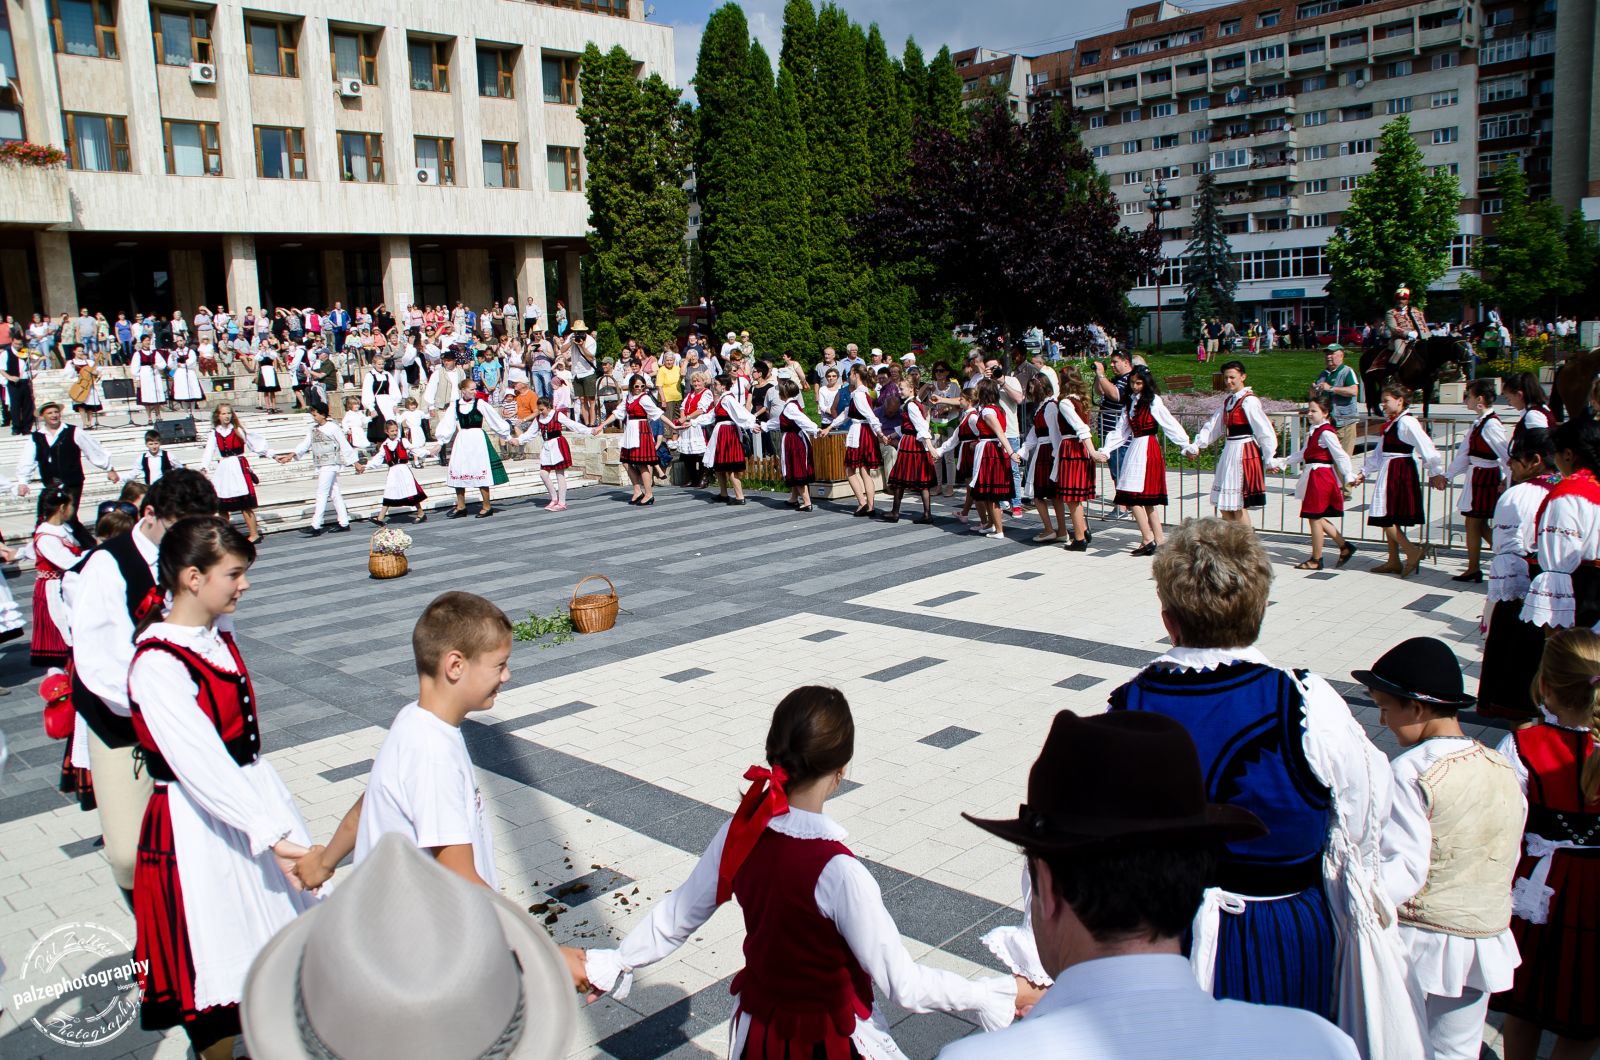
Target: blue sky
[{"x": 1024, "y": 26}]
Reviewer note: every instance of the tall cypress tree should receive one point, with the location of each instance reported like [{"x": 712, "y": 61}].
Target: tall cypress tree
[
  {"x": 888, "y": 143},
  {"x": 1208, "y": 279},
  {"x": 723, "y": 145},
  {"x": 636, "y": 150},
  {"x": 944, "y": 109},
  {"x": 914, "y": 79},
  {"x": 840, "y": 178}
]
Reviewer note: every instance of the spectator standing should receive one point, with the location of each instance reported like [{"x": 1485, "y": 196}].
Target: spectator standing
[
  {"x": 338, "y": 325},
  {"x": 530, "y": 317},
  {"x": 1338, "y": 381},
  {"x": 1113, "y": 400},
  {"x": 124, "y": 336},
  {"x": 87, "y": 331},
  {"x": 585, "y": 383},
  {"x": 669, "y": 381},
  {"x": 17, "y": 369}
]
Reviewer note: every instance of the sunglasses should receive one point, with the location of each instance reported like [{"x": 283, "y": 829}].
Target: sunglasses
[{"x": 107, "y": 507}]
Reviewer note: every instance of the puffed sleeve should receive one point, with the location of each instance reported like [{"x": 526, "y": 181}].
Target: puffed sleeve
[
  {"x": 209, "y": 460},
  {"x": 1168, "y": 422},
  {"x": 448, "y": 425},
  {"x": 1566, "y": 537},
  {"x": 257, "y": 442},
  {"x": 1260, "y": 425},
  {"x": 1406, "y": 845},
  {"x": 1209, "y": 433},
  {"x": 1432, "y": 462},
  {"x": 1341, "y": 459},
  {"x": 1119, "y": 435}
]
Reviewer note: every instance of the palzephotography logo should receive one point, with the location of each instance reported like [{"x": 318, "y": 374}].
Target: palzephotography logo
[{"x": 87, "y": 981}]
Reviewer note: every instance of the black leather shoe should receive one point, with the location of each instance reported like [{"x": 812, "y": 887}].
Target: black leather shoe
[
  {"x": 1077, "y": 546},
  {"x": 341, "y": 528},
  {"x": 456, "y": 513},
  {"x": 311, "y": 531}
]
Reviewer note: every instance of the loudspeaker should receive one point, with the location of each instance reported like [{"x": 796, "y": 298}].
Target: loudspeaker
[
  {"x": 173, "y": 431},
  {"x": 222, "y": 383},
  {"x": 117, "y": 389}
]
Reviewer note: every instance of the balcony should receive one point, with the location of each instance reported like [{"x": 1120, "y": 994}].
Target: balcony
[
  {"x": 1227, "y": 77},
  {"x": 1260, "y": 138},
  {"x": 1266, "y": 68},
  {"x": 1255, "y": 103},
  {"x": 1308, "y": 61},
  {"x": 1157, "y": 89},
  {"x": 1350, "y": 53},
  {"x": 1122, "y": 96},
  {"x": 33, "y": 197},
  {"x": 1241, "y": 203},
  {"x": 1274, "y": 170},
  {"x": 1192, "y": 83},
  {"x": 1456, "y": 34},
  {"x": 1404, "y": 44}
]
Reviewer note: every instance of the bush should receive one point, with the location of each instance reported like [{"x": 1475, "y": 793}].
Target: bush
[{"x": 607, "y": 343}]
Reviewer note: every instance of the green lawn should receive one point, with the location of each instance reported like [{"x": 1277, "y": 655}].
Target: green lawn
[{"x": 1285, "y": 374}]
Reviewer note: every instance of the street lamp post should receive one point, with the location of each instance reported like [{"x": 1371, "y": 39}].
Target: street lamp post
[{"x": 1156, "y": 201}]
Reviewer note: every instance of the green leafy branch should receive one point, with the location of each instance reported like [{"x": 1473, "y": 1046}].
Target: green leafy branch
[{"x": 555, "y": 628}]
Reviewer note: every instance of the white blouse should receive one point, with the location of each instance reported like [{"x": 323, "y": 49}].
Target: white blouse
[
  {"x": 1512, "y": 536},
  {"x": 1568, "y": 535},
  {"x": 1216, "y": 426}
]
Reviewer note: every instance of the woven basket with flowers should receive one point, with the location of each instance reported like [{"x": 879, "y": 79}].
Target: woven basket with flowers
[{"x": 387, "y": 557}]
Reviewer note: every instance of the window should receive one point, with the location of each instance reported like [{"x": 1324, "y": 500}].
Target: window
[
  {"x": 1130, "y": 115},
  {"x": 1356, "y": 147},
  {"x": 1267, "y": 19},
  {"x": 1134, "y": 207},
  {"x": 1163, "y": 110},
  {"x": 1133, "y": 176},
  {"x": 192, "y": 148},
  {"x": 280, "y": 153},
  {"x": 495, "y": 69},
  {"x": 1271, "y": 51},
  {"x": 1313, "y": 8},
  {"x": 1498, "y": 17},
  {"x": 1498, "y": 88},
  {"x": 564, "y": 168},
  {"x": 1445, "y": 61},
  {"x": 361, "y": 157},
  {"x": 98, "y": 143},
  {"x": 1357, "y": 113},
  {"x": 1130, "y": 147},
  {"x": 1498, "y": 125},
  {"x": 272, "y": 49},
  {"x": 1237, "y": 128},
  {"x": 182, "y": 37},
  {"x": 1316, "y": 153},
  {"x": 1544, "y": 42},
  {"x": 561, "y": 80},
  {"x": 1445, "y": 136},
  {"x": 437, "y": 155},
  {"x": 1401, "y": 105},
  {"x": 1461, "y": 251},
  {"x": 499, "y": 165},
  {"x": 1271, "y": 224},
  {"x": 1489, "y": 162},
  {"x": 355, "y": 55},
  {"x": 1097, "y": 121},
  {"x": 1452, "y": 168},
  {"x": 1158, "y": 77},
  {"x": 1446, "y": 99},
  {"x": 1200, "y": 136},
  {"x": 430, "y": 64},
  {"x": 86, "y": 27},
  {"x": 1231, "y": 62},
  {"x": 1349, "y": 183},
  {"x": 1164, "y": 143},
  {"x": 1228, "y": 28},
  {"x": 1315, "y": 187},
  {"x": 1491, "y": 206},
  {"x": 1314, "y": 220},
  {"x": 1089, "y": 58},
  {"x": 1402, "y": 68},
  {"x": 1314, "y": 84},
  {"x": 1166, "y": 172},
  {"x": 1199, "y": 103},
  {"x": 1100, "y": 151},
  {"x": 1503, "y": 51},
  {"x": 1314, "y": 117},
  {"x": 1199, "y": 167},
  {"x": 1084, "y": 91},
  {"x": 1230, "y": 159},
  {"x": 1315, "y": 46}
]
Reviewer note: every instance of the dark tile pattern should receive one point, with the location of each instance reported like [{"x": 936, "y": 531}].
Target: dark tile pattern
[
  {"x": 600, "y": 883},
  {"x": 28, "y": 803},
  {"x": 1322, "y": 575},
  {"x": 823, "y": 635},
  {"x": 846, "y": 786},
  {"x": 686, "y": 675},
  {"x": 354, "y": 769},
  {"x": 1027, "y": 575},
  {"x": 1427, "y": 603},
  {"x": 79, "y": 847},
  {"x": 949, "y": 737},
  {"x": 1078, "y": 682},
  {"x": 911, "y": 666},
  {"x": 947, "y": 598}
]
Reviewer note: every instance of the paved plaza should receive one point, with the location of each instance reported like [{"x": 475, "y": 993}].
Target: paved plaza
[{"x": 609, "y": 761}]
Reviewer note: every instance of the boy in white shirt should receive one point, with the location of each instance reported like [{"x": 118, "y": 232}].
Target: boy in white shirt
[{"x": 423, "y": 784}]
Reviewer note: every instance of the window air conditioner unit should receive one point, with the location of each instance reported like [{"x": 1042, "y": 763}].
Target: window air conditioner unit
[
  {"x": 350, "y": 87},
  {"x": 424, "y": 176},
  {"x": 202, "y": 74}
]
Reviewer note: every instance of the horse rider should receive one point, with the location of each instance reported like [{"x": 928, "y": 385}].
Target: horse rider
[{"x": 1406, "y": 325}]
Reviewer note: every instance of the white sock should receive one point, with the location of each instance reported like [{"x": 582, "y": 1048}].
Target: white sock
[
  {"x": 549, "y": 487},
  {"x": 561, "y": 488}
]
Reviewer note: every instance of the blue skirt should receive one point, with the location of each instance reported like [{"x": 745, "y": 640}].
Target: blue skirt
[{"x": 1279, "y": 952}]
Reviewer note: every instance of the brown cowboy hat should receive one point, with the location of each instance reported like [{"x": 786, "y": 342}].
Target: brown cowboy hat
[{"x": 1126, "y": 778}]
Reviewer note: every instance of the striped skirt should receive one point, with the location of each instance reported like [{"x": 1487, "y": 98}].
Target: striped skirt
[
  {"x": 48, "y": 647},
  {"x": 913, "y": 467},
  {"x": 864, "y": 454},
  {"x": 1557, "y": 986},
  {"x": 1402, "y": 495},
  {"x": 1074, "y": 472},
  {"x": 728, "y": 451},
  {"x": 796, "y": 453},
  {"x": 1279, "y": 952},
  {"x": 993, "y": 480}
]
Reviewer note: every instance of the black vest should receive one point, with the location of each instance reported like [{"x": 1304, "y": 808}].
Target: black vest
[
  {"x": 144, "y": 464},
  {"x": 112, "y": 728},
  {"x": 61, "y": 462}
]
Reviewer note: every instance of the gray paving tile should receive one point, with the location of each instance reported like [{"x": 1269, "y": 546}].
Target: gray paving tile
[
  {"x": 947, "y": 598},
  {"x": 539, "y": 717},
  {"x": 1322, "y": 575},
  {"x": 949, "y": 737},
  {"x": 354, "y": 769},
  {"x": 673, "y": 1026},
  {"x": 910, "y": 666},
  {"x": 335, "y": 724},
  {"x": 686, "y": 675},
  {"x": 846, "y": 786},
  {"x": 1078, "y": 682},
  {"x": 79, "y": 847},
  {"x": 1027, "y": 575},
  {"x": 584, "y": 889},
  {"x": 1427, "y": 603},
  {"x": 823, "y": 635},
  {"x": 27, "y": 803}
]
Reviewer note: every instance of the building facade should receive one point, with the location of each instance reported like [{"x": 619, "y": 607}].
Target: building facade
[{"x": 300, "y": 152}]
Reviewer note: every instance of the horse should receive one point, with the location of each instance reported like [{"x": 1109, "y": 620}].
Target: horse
[
  {"x": 1569, "y": 394},
  {"x": 1418, "y": 371}
]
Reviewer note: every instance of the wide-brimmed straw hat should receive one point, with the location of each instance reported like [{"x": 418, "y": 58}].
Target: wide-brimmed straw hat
[
  {"x": 1127, "y": 779},
  {"x": 407, "y": 960}
]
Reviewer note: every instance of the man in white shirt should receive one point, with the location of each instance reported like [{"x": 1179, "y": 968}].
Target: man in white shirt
[
  {"x": 443, "y": 383},
  {"x": 530, "y": 316},
  {"x": 585, "y": 385},
  {"x": 1120, "y": 843}
]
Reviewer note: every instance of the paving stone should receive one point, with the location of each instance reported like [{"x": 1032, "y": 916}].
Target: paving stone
[
  {"x": 354, "y": 769},
  {"x": 600, "y": 883},
  {"x": 822, "y": 635},
  {"x": 1427, "y": 603},
  {"x": 1027, "y": 575},
  {"x": 1078, "y": 682},
  {"x": 911, "y": 666},
  {"x": 687, "y": 675},
  {"x": 947, "y": 598},
  {"x": 947, "y": 738}
]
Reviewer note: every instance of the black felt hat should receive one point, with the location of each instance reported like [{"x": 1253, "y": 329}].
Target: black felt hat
[
  {"x": 1422, "y": 668},
  {"x": 1130, "y": 778}
]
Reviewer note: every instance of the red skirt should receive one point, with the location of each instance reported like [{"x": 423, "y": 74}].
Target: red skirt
[
  {"x": 1255, "y": 477},
  {"x": 994, "y": 474},
  {"x": 1074, "y": 472},
  {"x": 1154, "y": 493},
  {"x": 1557, "y": 986},
  {"x": 645, "y": 451},
  {"x": 1324, "y": 499},
  {"x": 729, "y": 453},
  {"x": 1487, "y": 486},
  {"x": 48, "y": 647},
  {"x": 246, "y": 501},
  {"x": 1402, "y": 495},
  {"x": 166, "y": 986},
  {"x": 964, "y": 462},
  {"x": 566, "y": 456},
  {"x": 1044, "y": 483},
  {"x": 797, "y": 469},
  {"x": 913, "y": 467},
  {"x": 864, "y": 454}
]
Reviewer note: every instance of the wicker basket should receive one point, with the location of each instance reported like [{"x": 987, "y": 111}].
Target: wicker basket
[
  {"x": 387, "y": 564},
  {"x": 595, "y": 612}
]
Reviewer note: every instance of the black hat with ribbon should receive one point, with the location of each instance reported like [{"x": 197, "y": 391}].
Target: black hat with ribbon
[{"x": 1422, "y": 668}]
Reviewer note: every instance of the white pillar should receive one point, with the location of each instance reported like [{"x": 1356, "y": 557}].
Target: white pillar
[
  {"x": 399, "y": 289},
  {"x": 58, "y": 284},
  {"x": 570, "y": 261},
  {"x": 244, "y": 277},
  {"x": 530, "y": 275}
]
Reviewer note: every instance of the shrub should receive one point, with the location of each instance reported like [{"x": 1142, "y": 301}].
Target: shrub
[{"x": 21, "y": 152}]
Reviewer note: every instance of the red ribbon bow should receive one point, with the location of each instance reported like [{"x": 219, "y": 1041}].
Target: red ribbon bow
[
  {"x": 153, "y": 600},
  {"x": 764, "y": 800}
]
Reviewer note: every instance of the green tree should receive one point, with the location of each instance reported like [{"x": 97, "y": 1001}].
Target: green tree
[
  {"x": 724, "y": 121},
  {"x": 1583, "y": 259},
  {"x": 1523, "y": 265},
  {"x": 1208, "y": 274},
  {"x": 840, "y": 179},
  {"x": 636, "y": 151},
  {"x": 943, "y": 107},
  {"x": 1398, "y": 228},
  {"x": 914, "y": 78}
]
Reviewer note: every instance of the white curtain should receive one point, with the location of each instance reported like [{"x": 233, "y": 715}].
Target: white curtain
[
  {"x": 188, "y": 160},
  {"x": 93, "y": 143}
]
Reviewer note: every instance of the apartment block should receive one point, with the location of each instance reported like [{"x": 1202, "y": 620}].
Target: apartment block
[{"x": 298, "y": 152}]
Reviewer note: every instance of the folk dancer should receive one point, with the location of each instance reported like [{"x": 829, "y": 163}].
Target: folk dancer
[
  {"x": 795, "y": 431},
  {"x": 1566, "y": 591},
  {"x": 865, "y": 432},
  {"x": 149, "y": 367},
  {"x": 473, "y": 458},
  {"x": 1484, "y": 458},
  {"x": 1074, "y": 474},
  {"x": 691, "y": 436},
  {"x": 1142, "y": 483},
  {"x": 1396, "y": 500},
  {"x": 1240, "y": 480},
  {"x": 183, "y": 367},
  {"x": 400, "y": 488},
  {"x": 383, "y": 388},
  {"x": 637, "y": 412},
  {"x": 1526, "y": 395},
  {"x": 228, "y": 466},
  {"x": 913, "y": 467},
  {"x": 555, "y": 455},
  {"x": 1326, "y": 473},
  {"x": 154, "y": 461},
  {"x": 57, "y": 455},
  {"x": 724, "y": 454},
  {"x": 330, "y": 452}
]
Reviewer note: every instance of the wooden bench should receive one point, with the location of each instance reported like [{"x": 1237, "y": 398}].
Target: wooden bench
[{"x": 1178, "y": 382}]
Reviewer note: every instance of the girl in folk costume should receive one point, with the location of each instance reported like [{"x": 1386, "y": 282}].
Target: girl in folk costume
[
  {"x": 56, "y": 550},
  {"x": 913, "y": 466},
  {"x": 88, "y": 397},
  {"x": 1566, "y": 591},
  {"x": 1396, "y": 501},
  {"x": 691, "y": 436},
  {"x": 1240, "y": 481},
  {"x": 1142, "y": 484},
  {"x": 817, "y": 936},
  {"x": 1326, "y": 469},
  {"x": 992, "y": 457},
  {"x": 1450, "y": 846},
  {"x": 1074, "y": 481},
  {"x": 1511, "y": 646},
  {"x": 724, "y": 451},
  {"x": 268, "y": 376},
  {"x": 1555, "y": 902},
  {"x": 183, "y": 365},
  {"x": 229, "y": 468},
  {"x": 473, "y": 459},
  {"x": 638, "y": 411},
  {"x": 401, "y": 488},
  {"x": 555, "y": 456},
  {"x": 795, "y": 431},
  {"x": 354, "y": 423},
  {"x": 861, "y": 456},
  {"x": 215, "y": 876},
  {"x": 1483, "y": 459},
  {"x": 382, "y": 390},
  {"x": 964, "y": 440},
  {"x": 1041, "y": 452},
  {"x": 149, "y": 364},
  {"x": 1526, "y": 394}
]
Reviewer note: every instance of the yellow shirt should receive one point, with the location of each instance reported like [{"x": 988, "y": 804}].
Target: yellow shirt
[{"x": 670, "y": 380}]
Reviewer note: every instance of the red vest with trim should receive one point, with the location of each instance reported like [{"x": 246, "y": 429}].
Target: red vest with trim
[
  {"x": 1476, "y": 446},
  {"x": 801, "y": 985},
  {"x": 1315, "y": 452},
  {"x": 1237, "y": 423},
  {"x": 226, "y": 699},
  {"x": 1580, "y": 483}
]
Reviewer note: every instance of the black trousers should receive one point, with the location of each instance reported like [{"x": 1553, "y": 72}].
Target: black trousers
[{"x": 20, "y": 402}]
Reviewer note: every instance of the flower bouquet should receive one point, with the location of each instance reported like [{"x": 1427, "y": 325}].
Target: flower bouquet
[{"x": 387, "y": 553}]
